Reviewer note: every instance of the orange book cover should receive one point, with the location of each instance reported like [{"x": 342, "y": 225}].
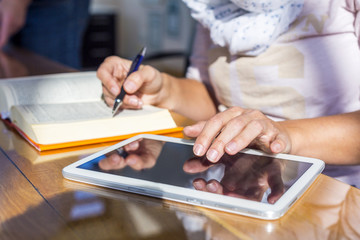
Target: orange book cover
[{"x": 175, "y": 132}]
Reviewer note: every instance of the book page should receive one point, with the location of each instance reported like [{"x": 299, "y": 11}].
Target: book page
[
  {"x": 45, "y": 89},
  {"x": 60, "y": 123},
  {"x": 77, "y": 112},
  {"x": 66, "y": 112}
]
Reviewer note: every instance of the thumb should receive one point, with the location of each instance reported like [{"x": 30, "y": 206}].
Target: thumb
[{"x": 280, "y": 145}]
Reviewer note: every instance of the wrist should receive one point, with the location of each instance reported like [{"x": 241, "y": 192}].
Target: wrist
[
  {"x": 293, "y": 133},
  {"x": 164, "y": 97}
]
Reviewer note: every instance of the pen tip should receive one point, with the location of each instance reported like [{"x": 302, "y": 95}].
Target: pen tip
[{"x": 143, "y": 51}]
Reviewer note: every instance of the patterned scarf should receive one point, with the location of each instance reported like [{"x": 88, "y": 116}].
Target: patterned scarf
[{"x": 245, "y": 27}]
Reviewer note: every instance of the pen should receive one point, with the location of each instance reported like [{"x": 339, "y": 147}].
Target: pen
[{"x": 134, "y": 67}]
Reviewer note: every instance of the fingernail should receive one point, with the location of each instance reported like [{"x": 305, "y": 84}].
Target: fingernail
[
  {"x": 211, "y": 187},
  {"x": 186, "y": 129},
  {"x": 276, "y": 147},
  {"x": 134, "y": 145},
  {"x": 231, "y": 147},
  {"x": 199, "y": 150},
  {"x": 197, "y": 185},
  {"x": 114, "y": 160},
  {"x": 212, "y": 155},
  {"x": 189, "y": 127},
  {"x": 114, "y": 91},
  {"x": 131, "y": 161},
  {"x": 134, "y": 101},
  {"x": 129, "y": 86}
]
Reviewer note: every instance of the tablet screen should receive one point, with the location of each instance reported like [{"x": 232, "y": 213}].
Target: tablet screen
[{"x": 259, "y": 178}]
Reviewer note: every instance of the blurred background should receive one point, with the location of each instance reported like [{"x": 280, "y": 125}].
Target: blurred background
[{"x": 123, "y": 27}]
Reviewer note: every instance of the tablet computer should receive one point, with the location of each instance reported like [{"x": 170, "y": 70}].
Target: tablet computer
[{"x": 249, "y": 183}]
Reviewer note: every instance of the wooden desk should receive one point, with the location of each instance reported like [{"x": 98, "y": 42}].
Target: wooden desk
[{"x": 36, "y": 202}]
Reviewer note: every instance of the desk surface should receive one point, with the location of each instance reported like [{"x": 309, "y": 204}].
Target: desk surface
[{"x": 38, "y": 203}]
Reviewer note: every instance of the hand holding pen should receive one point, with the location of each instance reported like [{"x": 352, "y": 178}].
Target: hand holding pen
[
  {"x": 134, "y": 67},
  {"x": 146, "y": 86}
]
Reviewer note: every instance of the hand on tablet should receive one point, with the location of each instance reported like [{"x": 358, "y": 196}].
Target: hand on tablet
[
  {"x": 245, "y": 178},
  {"x": 233, "y": 130},
  {"x": 138, "y": 155}
]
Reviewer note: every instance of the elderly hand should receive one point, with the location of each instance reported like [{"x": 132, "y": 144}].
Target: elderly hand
[{"x": 233, "y": 130}]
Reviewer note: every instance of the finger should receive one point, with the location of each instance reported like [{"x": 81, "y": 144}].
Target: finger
[
  {"x": 112, "y": 162},
  {"x": 135, "y": 87},
  {"x": 281, "y": 144},
  {"x": 271, "y": 137},
  {"x": 121, "y": 67},
  {"x": 277, "y": 190},
  {"x": 133, "y": 83},
  {"x": 194, "y": 130},
  {"x": 255, "y": 192},
  {"x": 230, "y": 131},
  {"x": 275, "y": 182},
  {"x": 132, "y": 102},
  {"x": 109, "y": 82},
  {"x": 236, "y": 175},
  {"x": 150, "y": 79},
  {"x": 196, "y": 165},
  {"x": 111, "y": 72},
  {"x": 133, "y": 146},
  {"x": 258, "y": 132},
  {"x": 199, "y": 184},
  {"x": 108, "y": 97},
  {"x": 238, "y": 128},
  {"x": 214, "y": 186},
  {"x": 277, "y": 146},
  {"x": 233, "y": 181},
  {"x": 136, "y": 80},
  {"x": 135, "y": 162},
  {"x": 211, "y": 130},
  {"x": 139, "y": 162},
  {"x": 250, "y": 132},
  {"x": 249, "y": 190}
]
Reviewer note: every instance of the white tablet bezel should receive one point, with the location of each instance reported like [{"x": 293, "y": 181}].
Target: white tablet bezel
[{"x": 192, "y": 196}]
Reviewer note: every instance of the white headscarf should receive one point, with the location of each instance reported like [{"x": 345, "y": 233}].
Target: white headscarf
[{"x": 246, "y": 27}]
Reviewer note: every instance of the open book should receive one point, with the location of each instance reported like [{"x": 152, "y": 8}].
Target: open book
[{"x": 65, "y": 110}]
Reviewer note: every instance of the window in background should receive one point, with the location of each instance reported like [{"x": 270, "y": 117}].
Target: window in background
[{"x": 165, "y": 27}]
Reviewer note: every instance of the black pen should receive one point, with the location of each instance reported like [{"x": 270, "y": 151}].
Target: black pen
[{"x": 134, "y": 67}]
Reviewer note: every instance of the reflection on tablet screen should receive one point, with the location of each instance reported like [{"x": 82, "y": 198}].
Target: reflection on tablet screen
[{"x": 253, "y": 177}]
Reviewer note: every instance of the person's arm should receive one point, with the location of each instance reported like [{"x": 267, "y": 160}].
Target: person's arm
[
  {"x": 148, "y": 86},
  {"x": 334, "y": 139},
  {"x": 12, "y": 18},
  {"x": 187, "y": 97}
]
